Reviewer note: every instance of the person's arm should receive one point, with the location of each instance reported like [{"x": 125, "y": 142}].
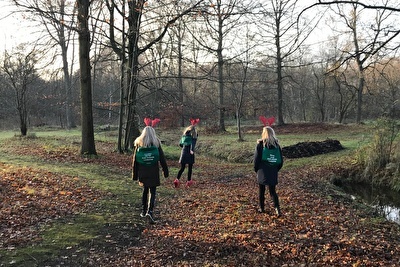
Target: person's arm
[
  {"x": 134, "y": 166},
  {"x": 193, "y": 146},
  {"x": 280, "y": 165},
  {"x": 163, "y": 162},
  {"x": 180, "y": 142},
  {"x": 257, "y": 156}
]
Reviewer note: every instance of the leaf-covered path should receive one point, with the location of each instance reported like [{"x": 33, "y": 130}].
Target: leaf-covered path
[{"x": 215, "y": 223}]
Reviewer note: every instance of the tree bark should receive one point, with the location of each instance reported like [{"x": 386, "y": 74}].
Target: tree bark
[{"x": 88, "y": 144}]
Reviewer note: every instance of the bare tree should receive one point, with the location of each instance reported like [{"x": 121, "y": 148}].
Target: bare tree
[
  {"x": 386, "y": 89},
  {"x": 58, "y": 19},
  {"x": 221, "y": 18},
  {"x": 284, "y": 36},
  {"x": 238, "y": 74},
  {"x": 20, "y": 69},
  {"x": 88, "y": 145},
  {"x": 136, "y": 46},
  {"x": 368, "y": 40}
]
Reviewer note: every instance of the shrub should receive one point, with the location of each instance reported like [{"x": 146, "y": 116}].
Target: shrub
[{"x": 380, "y": 160}]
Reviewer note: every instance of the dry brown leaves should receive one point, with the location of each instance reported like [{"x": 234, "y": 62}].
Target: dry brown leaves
[
  {"x": 30, "y": 198},
  {"x": 215, "y": 223}
]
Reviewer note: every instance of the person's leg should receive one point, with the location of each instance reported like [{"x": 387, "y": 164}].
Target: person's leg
[
  {"x": 176, "y": 182},
  {"x": 145, "y": 200},
  {"x": 274, "y": 196},
  {"x": 181, "y": 170},
  {"x": 189, "y": 178},
  {"x": 190, "y": 169},
  {"x": 152, "y": 198},
  {"x": 151, "y": 204},
  {"x": 261, "y": 197}
]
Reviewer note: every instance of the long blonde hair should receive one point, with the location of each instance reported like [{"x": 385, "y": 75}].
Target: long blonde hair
[
  {"x": 147, "y": 138},
  {"x": 192, "y": 130},
  {"x": 269, "y": 138}
]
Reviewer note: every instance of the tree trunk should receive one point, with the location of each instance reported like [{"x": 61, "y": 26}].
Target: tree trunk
[
  {"x": 359, "y": 95},
  {"x": 68, "y": 90},
  {"x": 180, "y": 79},
  {"x": 67, "y": 78},
  {"x": 88, "y": 144},
  {"x": 22, "y": 110},
  {"x": 221, "y": 80},
  {"x": 279, "y": 81},
  {"x": 122, "y": 104}
]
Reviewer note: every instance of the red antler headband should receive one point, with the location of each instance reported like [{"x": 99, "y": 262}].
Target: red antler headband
[
  {"x": 194, "y": 121},
  {"x": 267, "y": 121},
  {"x": 150, "y": 122},
  {"x": 155, "y": 122}
]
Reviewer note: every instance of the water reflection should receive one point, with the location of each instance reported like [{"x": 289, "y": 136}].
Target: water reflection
[
  {"x": 391, "y": 213},
  {"x": 385, "y": 201}
]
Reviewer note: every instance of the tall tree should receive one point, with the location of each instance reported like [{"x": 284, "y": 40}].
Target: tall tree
[
  {"x": 368, "y": 40},
  {"x": 88, "y": 145},
  {"x": 284, "y": 36},
  {"x": 221, "y": 17},
  {"x": 136, "y": 46},
  {"x": 58, "y": 19},
  {"x": 20, "y": 69},
  {"x": 239, "y": 73}
]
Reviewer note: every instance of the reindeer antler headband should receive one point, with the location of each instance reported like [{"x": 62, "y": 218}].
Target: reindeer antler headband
[
  {"x": 150, "y": 122},
  {"x": 194, "y": 122},
  {"x": 267, "y": 121}
]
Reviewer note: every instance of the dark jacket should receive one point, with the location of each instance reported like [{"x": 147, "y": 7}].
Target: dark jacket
[
  {"x": 266, "y": 174},
  {"x": 149, "y": 175},
  {"x": 186, "y": 157}
]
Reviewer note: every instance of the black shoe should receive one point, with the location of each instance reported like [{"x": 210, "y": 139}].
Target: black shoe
[
  {"x": 143, "y": 214},
  {"x": 261, "y": 211},
  {"x": 149, "y": 215}
]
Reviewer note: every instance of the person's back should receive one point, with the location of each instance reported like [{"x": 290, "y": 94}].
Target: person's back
[
  {"x": 147, "y": 158},
  {"x": 188, "y": 144},
  {"x": 268, "y": 160}
]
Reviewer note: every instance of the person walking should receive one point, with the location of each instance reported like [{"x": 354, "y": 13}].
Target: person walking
[
  {"x": 268, "y": 160},
  {"x": 188, "y": 143},
  {"x": 147, "y": 158}
]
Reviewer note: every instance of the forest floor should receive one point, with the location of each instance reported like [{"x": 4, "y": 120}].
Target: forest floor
[{"x": 213, "y": 223}]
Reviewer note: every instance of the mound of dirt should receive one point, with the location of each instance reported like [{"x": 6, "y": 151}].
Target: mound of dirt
[{"x": 309, "y": 149}]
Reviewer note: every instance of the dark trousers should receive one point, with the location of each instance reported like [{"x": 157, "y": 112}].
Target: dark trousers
[
  {"x": 190, "y": 169},
  {"x": 272, "y": 193},
  {"x": 148, "y": 203}
]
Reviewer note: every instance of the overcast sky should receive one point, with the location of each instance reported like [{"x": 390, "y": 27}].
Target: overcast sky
[{"x": 13, "y": 28}]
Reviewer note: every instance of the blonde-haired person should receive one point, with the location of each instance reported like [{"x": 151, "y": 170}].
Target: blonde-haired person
[
  {"x": 188, "y": 143},
  {"x": 146, "y": 168},
  {"x": 267, "y": 171}
]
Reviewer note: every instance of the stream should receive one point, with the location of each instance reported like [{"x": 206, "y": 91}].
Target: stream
[{"x": 385, "y": 201}]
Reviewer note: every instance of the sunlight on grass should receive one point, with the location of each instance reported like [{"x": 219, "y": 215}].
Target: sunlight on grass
[{"x": 81, "y": 228}]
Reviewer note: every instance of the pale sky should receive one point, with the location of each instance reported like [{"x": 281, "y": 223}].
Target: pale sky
[{"x": 14, "y": 29}]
